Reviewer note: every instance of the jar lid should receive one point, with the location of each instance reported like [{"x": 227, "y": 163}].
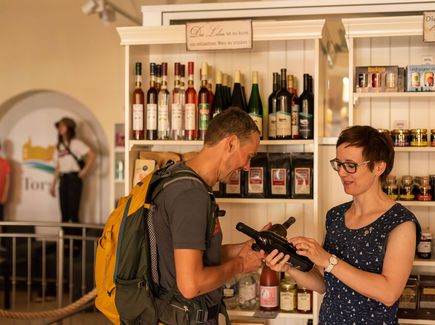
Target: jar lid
[
  {"x": 426, "y": 235},
  {"x": 419, "y": 130},
  {"x": 400, "y": 131}
]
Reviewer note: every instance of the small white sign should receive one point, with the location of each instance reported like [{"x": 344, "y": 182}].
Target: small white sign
[
  {"x": 219, "y": 35},
  {"x": 429, "y": 26}
]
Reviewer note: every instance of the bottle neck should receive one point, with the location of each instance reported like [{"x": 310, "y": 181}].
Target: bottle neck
[
  {"x": 138, "y": 82},
  {"x": 164, "y": 82}
]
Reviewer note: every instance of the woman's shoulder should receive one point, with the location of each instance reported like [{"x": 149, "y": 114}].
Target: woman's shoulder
[{"x": 339, "y": 209}]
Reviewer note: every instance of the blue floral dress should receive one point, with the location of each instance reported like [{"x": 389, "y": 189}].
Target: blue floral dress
[{"x": 363, "y": 248}]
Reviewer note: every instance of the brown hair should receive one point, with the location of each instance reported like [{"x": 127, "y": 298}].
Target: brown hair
[
  {"x": 376, "y": 146},
  {"x": 231, "y": 121}
]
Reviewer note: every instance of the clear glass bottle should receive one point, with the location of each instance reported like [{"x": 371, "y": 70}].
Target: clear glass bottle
[
  {"x": 163, "y": 106},
  {"x": 177, "y": 106},
  {"x": 247, "y": 292}
]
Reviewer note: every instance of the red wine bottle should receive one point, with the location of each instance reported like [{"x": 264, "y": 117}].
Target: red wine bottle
[
  {"x": 203, "y": 104},
  {"x": 152, "y": 95},
  {"x": 191, "y": 108},
  {"x": 272, "y": 106},
  {"x": 137, "y": 111}
]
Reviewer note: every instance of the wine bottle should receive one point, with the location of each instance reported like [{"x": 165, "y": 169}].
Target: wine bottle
[
  {"x": 268, "y": 241},
  {"x": 210, "y": 95},
  {"x": 307, "y": 110},
  {"x": 203, "y": 104},
  {"x": 176, "y": 106},
  {"x": 281, "y": 229},
  {"x": 152, "y": 95},
  {"x": 272, "y": 106},
  {"x": 163, "y": 106},
  {"x": 182, "y": 96},
  {"x": 237, "y": 97},
  {"x": 269, "y": 289},
  {"x": 191, "y": 111},
  {"x": 138, "y": 105},
  {"x": 219, "y": 99},
  {"x": 295, "y": 110},
  {"x": 158, "y": 77},
  {"x": 227, "y": 90},
  {"x": 255, "y": 105},
  {"x": 283, "y": 109}
]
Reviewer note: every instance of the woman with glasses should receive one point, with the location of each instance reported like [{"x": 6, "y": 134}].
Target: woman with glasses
[{"x": 369, "y": 248}]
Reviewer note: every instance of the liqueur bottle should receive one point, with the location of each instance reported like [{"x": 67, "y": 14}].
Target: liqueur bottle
[
  {"x": 163, "y": 106},
  {"x": 219, "y": 96},
  {"x": 255, "y": 105},
  {"x": 283, "y": 109},
  {"x": 138, "y": 105},
  {"x": 269, "y": 289},
  {"x": 177, "y": 106},
  {"x": 307, "y": 109},
  {"x": 272, "y": 107},
  {"x": 227, "y": 90},
  {"x": 295, "y": 110},
  {"x": 158, "y": 77},
  {"x": 191, "y": 108},
  {"x": 152, "y": 95},
  {"x": 203, "y": 104},
  {"x": 237, "y": 97}
]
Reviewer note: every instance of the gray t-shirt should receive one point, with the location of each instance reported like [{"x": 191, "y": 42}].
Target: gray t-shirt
[{"x": 180, "y": 222}]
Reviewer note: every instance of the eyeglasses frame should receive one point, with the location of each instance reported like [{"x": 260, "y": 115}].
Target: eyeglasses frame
[{"x": 343, "y": 165}]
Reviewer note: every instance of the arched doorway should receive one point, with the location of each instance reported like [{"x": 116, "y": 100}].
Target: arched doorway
[{"x": 27, "y": 122}]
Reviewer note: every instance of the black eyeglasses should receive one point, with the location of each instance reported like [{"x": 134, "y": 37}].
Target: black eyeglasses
[{"x": 349, "y": 167}]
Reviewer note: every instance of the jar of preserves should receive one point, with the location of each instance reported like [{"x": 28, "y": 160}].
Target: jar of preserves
[
  {"x": 248, "y": 292},
  {"x": 390, "y": 187},
  {"x": 400, "y": 137},
  {"x": 432, "y": 137},
  {"x": 406, "y": 192},
  {"x": 418, "y": 138},
  {"x": 425, "y": 193},
  {"x": 305, "y": 300},
  {"x": 424, "y": 248},
  {"x": 288, "y": 295}
]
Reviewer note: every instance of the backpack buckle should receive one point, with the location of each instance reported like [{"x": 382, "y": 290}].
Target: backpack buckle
[
  {"x": 201, "y": 316},
  {"x": 141, "y": 284}
]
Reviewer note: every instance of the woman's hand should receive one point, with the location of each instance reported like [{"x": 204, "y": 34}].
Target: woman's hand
[
  {"x": 53, "y": 191},
  {"x": 277, "y": 261},
  {"x": 311, "y": 248}
]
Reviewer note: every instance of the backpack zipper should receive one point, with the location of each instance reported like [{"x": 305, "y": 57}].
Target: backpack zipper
[{"x": 184, "y": 308}]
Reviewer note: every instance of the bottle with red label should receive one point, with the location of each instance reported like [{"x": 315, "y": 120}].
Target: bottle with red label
[{"x": 269, "y": 290}]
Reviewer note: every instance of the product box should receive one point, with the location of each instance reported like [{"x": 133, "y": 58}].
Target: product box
[
  {"x": 235, "y": 186},
  {"x": 420, "y": 77},
  {"x": 377, "y": 78},
  {"x": 278, "y": 175},
  {"x": 302, "y": 175}
]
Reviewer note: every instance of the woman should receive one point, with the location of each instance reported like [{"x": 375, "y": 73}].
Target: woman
[
  {"x": 69, "y": 153},
  {"x": 370, "y": 241}
]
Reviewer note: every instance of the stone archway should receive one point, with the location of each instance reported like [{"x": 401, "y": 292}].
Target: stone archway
[{"x": 27, "y": 120}]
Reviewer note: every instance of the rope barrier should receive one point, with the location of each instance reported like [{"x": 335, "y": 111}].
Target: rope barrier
[{"x": 51, "y": 313}]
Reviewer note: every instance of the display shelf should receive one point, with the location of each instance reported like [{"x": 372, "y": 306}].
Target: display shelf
[
  {"x": 250, "y": 313},
  {"x": 424, "y": 262},
  {"x": 119, "y": 149},
  {"x": 147, "y": 143},
  {"x": 414, "y": 149},
  {"x": 405, "y": 321},
  {"x": 417, "y": 203},
  {"x": 423, "y": 94},
  {"x": 262, "y": 200}
]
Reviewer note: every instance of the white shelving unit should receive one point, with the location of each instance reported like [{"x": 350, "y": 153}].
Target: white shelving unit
[
  {"x": 276, "y": 44},
  {"x": 118, "y": 156},
  {"x": 396, "y": 41}
]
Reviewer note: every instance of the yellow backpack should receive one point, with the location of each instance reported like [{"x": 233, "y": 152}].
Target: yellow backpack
[{"x": 126, "y": 274}]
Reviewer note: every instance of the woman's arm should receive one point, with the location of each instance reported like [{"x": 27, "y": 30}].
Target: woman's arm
[
  {"x": 89, "y": 162},
  {"x": 4, "y": 199},
  {"x": 54, "y": 182}
]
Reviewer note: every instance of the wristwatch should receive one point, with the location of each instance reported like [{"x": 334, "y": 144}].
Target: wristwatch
[{"x": 333, "y": 260}]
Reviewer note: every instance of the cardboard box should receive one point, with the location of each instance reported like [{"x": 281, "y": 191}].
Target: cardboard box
[
  {"x": 420, "y": 77},
  {"x": 377, "y": 78}
]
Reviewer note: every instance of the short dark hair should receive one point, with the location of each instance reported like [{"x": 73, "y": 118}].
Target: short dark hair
[
  {"x": 231, "y": 121},
  {"x": 376, "y": 146}
]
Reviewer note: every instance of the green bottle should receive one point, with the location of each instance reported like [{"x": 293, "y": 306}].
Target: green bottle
[{"x": 255, "y": 107}]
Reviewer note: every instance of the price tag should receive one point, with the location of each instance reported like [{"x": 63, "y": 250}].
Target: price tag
[
  {"x": 429, "y": 26},
  {"x": 219, "y": 35}
]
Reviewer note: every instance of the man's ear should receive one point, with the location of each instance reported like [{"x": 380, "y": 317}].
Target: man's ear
[{"x": 232, "y": 142}]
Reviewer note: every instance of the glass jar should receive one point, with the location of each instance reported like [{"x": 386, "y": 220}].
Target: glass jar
[
  {"x": 408, "y": 299},
  {"x": 418, "y": 138},
  {"x": 425, "y": 193},
  {"x": 406, "y": 192},
  {"x": 231, "y": 294},
  {"x": 424, "y": 247},
  {"x": 305, "y": 300},
  {"x": 288, "y": 295},
  {"x": 247, "y": 292},
  {"x": 432, "y": 138},
  {"x": 390, "y": 187},
  {"x": 400, "y": 137}
]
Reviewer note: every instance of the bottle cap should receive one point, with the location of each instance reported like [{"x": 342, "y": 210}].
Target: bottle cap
[
  {"x": 254, "y": 77},
  {"x": 190, "y": 67},
  {"x": 204, "y": 71},
  {"x": 177, "y": 68},
  {"x": 218, "y": 77},
  {"x": 237, "y": 77},
  {"x": 138, "y": 68},
  {"x": 164, "y": 68}
]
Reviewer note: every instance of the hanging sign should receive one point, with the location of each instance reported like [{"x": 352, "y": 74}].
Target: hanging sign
[
  {"x": 429, "y": 26},
  {"x": 219, "y": 35}
]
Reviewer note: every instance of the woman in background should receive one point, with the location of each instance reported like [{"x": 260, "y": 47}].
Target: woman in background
[{"x": 370, "y": 242}]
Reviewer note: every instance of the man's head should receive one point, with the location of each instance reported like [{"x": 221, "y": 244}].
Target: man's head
[{"x": 236, "y": 138}]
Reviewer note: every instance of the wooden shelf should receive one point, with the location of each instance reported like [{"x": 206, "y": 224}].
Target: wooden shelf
[
  {"x": 417, "y": 203},
  {"x": 416, "y": 321},
  {"x": 423, "y": 262},
  {"x": 423, "y": 94},
  {"x": 262, "y": 201},
  {"x": 250, "y": 313},
  {"x": 414, "y": 149},
  {"x": 148, "y": 143}
]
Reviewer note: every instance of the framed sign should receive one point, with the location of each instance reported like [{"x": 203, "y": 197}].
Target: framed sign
[
  {"x": 429, "y": 26},
  {"x": 219, "y": 35}
]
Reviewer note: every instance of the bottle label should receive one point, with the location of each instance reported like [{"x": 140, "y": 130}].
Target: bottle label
[
  {"x": 269, "y": 296},
  {"x": 283, "y": 124},
  {"x": 247, "y": 292},
  {"x": 304, "y": 125},
  {"x": 189, "y": 117},
  {"x": 287, "y": 301},
  {"x": 424, "y": 247},
  {"x": 163, "y": 118},
  {"x": 204, "y": 115},
  {"x": 256, "y": 180},
  {"x": 258, "y": 119},
  {"x": 272, "y": 125},
  {"x": 151, "y": 116},
  {"x": 304, "y": 302},
  {"x": 279, "y": 181},
  {"x": 233, "y": 185},
  {"x": 295, "y": 120},
  {"x": 302, "y": 180},
  {"x": 137, "y": 117},
  {"x": 176, "y": 117}
]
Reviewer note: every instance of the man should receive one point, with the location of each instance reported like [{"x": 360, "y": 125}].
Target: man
[{"x": 197, "y": 268}]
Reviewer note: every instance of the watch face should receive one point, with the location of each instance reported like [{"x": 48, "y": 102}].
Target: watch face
[{"x": 333, "y": 260}]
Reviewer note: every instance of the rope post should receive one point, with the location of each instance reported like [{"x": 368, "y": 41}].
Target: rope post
[{"x": 60, "y": 248}]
